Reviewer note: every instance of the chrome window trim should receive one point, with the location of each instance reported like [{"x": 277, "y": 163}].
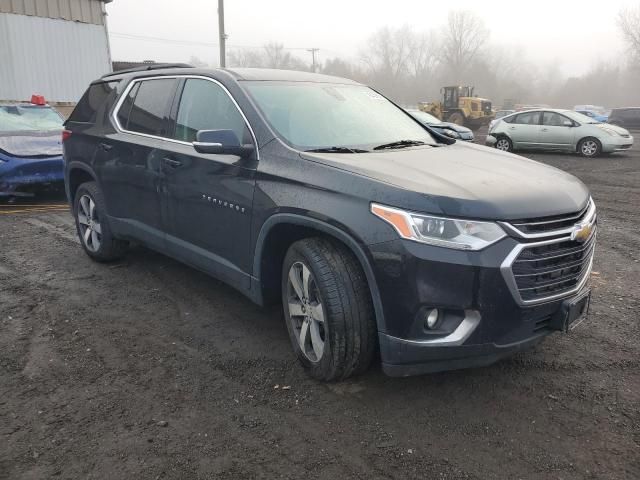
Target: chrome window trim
[
  {"x": 123, "y": 96},
  {"x": 510, "y": 280},
  {"x": 589, "y": 216}
]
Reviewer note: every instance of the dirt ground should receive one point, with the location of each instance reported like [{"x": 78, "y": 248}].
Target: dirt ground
[{"x": 149, "y": 369}]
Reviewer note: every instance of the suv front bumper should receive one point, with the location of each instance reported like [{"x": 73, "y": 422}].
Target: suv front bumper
[{"x": 412, "y": 277}]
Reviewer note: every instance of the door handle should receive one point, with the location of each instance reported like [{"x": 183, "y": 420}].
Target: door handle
[
  {"x": 172, "y": 162},
  {"x": 545, "y": 129},
  {"x": 105, "y": 146}
]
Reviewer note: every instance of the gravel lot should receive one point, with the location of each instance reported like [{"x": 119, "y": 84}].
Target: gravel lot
[{"x": 149, "y": 369}]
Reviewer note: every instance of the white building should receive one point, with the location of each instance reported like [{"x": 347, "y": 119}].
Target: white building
[{"x": 52, "y": 47}]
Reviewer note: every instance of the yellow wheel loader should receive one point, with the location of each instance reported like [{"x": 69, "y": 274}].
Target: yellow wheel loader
[{"x": 461, "y": 107}]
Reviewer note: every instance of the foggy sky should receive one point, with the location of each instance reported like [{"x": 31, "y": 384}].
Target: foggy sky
[{"x": 573, "y": 34}]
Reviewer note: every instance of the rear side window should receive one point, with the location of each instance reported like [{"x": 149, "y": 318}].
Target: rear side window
[
  {"x": 204, "y": 105},
  {"x": 146, "y": 107},
  {"x": 553, "y": 119},
  {"x": 529, "y": 118},
  {"x": 93, "y": 99}
]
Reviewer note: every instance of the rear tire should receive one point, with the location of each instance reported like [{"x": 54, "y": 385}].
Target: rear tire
[
  {"x": 504, "y": 144},
  {"x": 589, "y": 147},
  {"x": 92, "y": 226},
  {"x": 330, "y": 315},
  {"x": 457, "y": 118}
]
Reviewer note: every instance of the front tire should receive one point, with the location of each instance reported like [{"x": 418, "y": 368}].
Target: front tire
[
  {"x": 457, "y": 118},
  {"x": 328, "y": 309},
  {"x": 589, "y": 147},
  {"x": 92, "y": 226}
]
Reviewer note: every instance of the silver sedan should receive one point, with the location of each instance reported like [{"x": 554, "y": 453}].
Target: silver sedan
[{"x": 553, "y": 129}]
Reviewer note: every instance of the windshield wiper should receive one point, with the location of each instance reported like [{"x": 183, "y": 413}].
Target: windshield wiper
[
  {"x": 400, "y": 144},
  {"x": 337, "y": 150}
]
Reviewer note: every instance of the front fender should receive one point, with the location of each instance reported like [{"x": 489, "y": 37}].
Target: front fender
[{"x": 357, "y": 248}]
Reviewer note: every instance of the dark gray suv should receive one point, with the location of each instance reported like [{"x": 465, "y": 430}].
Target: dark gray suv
[
  {"x": 375, "y": 233},
  {"x": 625, "y": 117}
]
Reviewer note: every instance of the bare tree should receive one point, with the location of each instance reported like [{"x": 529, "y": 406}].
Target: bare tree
[
  {"x": 388, "y": 51},
  {"x": 273, "y": 55},
  {"x": 629, "y": 23},
  {"x": 196, "y": 62},
  {"x": 343, "y": 68},
  {"x": 245, "y": 58},
  {"x": 463, "y": 37},
  {"x": 386, "y": 58},
  {"x": 423, "y": 55}
]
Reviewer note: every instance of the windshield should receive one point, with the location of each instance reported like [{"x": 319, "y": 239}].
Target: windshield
[
  {"x": 578, "y": 117},
  {"x": 17, "y": 118},
  {"x": 325, "y": 115},
  {"x": 424, "y": 117}
]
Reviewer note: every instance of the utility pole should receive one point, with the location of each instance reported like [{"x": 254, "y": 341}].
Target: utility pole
[
  {"x": 313, "y": 58},
  {"x": 221, "y": 34}
]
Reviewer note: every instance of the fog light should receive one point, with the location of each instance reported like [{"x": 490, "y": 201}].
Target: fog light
[{"x": 432, "y": 318}]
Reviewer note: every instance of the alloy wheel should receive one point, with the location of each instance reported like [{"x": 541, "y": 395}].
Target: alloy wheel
[
  {"x": 89, "y": 222},
  {"x": 589, "y": 148},
  {"x": 306, "y": 312},
  {"x": 503, "y": 144}
]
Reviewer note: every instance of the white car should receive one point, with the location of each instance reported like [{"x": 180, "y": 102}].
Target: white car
[{"x": 554, "y": 129}]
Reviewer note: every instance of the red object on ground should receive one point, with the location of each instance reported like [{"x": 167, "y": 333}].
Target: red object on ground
[{"x": 38, "y": 99}]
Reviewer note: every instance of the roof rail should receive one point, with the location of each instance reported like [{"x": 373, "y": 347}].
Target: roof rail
[{"x": 151, "y": 66}]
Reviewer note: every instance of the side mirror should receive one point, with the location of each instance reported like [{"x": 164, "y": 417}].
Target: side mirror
[
  {"x": 567, "y": 123},
  {"x": 221, "y": 142}
]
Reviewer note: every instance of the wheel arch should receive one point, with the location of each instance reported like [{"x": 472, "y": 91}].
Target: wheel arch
[
  {"x": 500, "y": 135},
  {"x": 274, "y": 239},
  {"x": 77, "y": 174}
]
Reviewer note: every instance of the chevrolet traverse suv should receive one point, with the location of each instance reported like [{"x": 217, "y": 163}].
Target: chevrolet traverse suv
[{"x": 376, "y": 233}]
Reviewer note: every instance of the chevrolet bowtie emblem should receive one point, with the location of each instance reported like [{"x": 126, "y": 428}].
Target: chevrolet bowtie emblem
[{"x": 581, "y": 232}]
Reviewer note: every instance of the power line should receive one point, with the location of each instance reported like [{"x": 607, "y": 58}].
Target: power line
[{"x": 130, "y": 36}]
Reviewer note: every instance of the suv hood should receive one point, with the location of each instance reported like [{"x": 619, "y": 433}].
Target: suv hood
[{"x": 467, "y": 180}]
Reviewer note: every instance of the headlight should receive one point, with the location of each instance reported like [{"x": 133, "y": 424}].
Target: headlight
[
  {"x": 450, "y": 133},
  {"x": 443, "y": 232}
]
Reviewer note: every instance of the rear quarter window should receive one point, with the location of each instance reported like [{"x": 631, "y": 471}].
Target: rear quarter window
[
  {"x": 93, "y": 100},
  {"x": 146, "y": 107}
]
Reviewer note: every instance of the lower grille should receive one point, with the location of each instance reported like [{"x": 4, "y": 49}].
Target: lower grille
[
  {"x": 552, "y": 269},
  {"x": 542, "y": 324}
]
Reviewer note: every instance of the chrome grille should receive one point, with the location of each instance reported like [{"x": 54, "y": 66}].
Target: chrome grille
[
  {"x": 552, "y": 269},
  {"x": 549, "y": 224},
  {"x": 553, "y": 259}
]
